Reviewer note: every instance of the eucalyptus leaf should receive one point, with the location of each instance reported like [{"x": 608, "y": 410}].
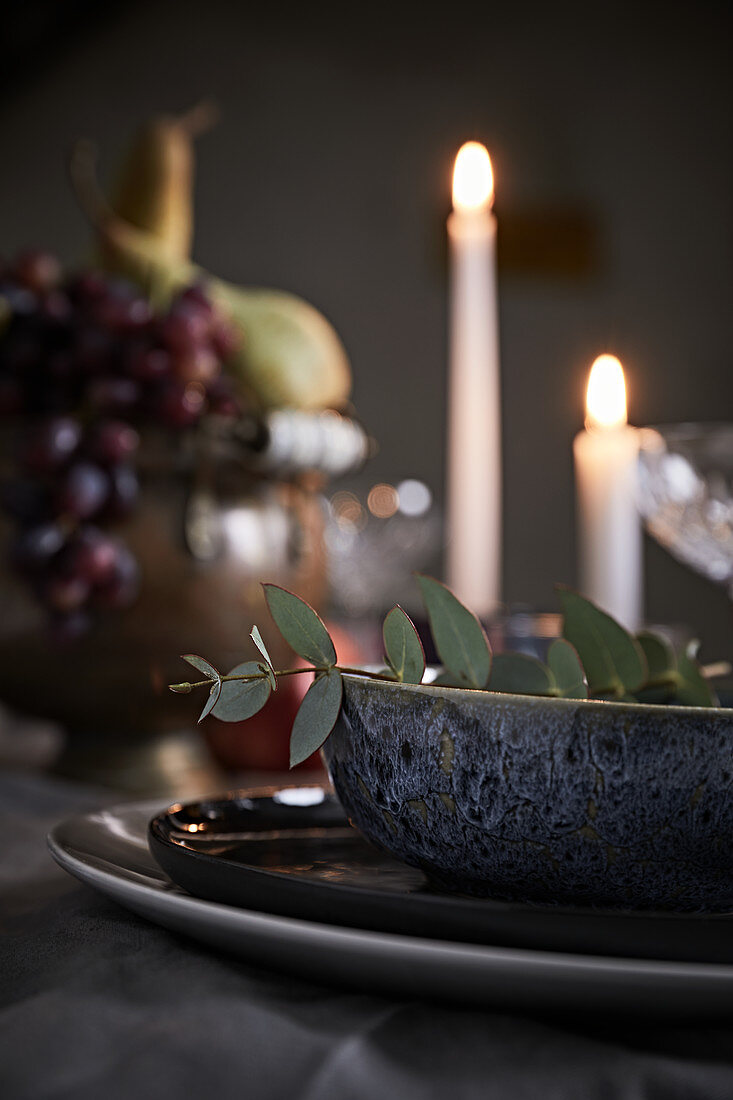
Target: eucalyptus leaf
[
  {"x": 520, "y": 674},
  {"x": 240, "y": 699},
  {"x": 693, "y": 690},
  {"x": 614, "y": 662},
  {"x": 300, "y": 626},
  {"x": 660, "y": 657},
  {"x": 459, "y": 638},
  {"x": 257, "y": 639},
  {"x": 202, "y": 665},
  {"x": 267, "y": 671},
  {"x": 445, "y": 679},
  {"x": 402, "y": 646},
  {"x": 212, "y": 674},
  {"x": 658, "y": 693},
  {"x": 214, "y": 693},
  {"x": 567, "y": 668},
  {"x": 316, "y": 716}
]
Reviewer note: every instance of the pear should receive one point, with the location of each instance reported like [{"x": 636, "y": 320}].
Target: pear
[
  {"x": 288, "y": 354},
  {"x": 155, "y": 189}
]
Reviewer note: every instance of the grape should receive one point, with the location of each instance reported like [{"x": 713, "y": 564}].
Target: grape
[
  {"x": 88, "y": 287},
  {"x": 121, "y": 312},
  {"x": 180, "y": 405},
  {"x": 224, "y": 339},
  {"x": 196, "y": 295},
  {"x": 198, "y": 364},
  {"x": 37, "y": 270},
  {"x": 114, "y": 395},
  {"x": 94, "y": 350},
  {"x": 51, "y": 444},
  {"x": 222, "y": 399},
  {"x": 123, "y": 493},
  {"x": 186, "y": 324},
  {"x": 92, "y": 555},
  {"x": 36, "y": 547},
  {"x": 85, "y": 364},
  {"x": 112, "y": 441},
  {"x": 21, "y": 301},
  {"x": 123, "y": 587},
  {"x": 149, "y": 364},
  {"x": 83, "y": 491},
  {"x": 66, "y": 593},
  {"x": 55, "y": 307}
]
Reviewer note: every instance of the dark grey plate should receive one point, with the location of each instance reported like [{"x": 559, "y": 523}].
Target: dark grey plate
[{"x": 291, "y": 852}]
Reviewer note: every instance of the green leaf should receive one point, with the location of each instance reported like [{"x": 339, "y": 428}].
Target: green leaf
[
  {"x": 257, "y": 639},
  {"x": 520, "y": 674},
  {"x": 202, "y": 665},
  {"x": 445, "y": 679},
  {"x": 316, "y": 716},
  {"x": 614, "y": 662},
  {"x": 212, "y": 674},
  {"x": 267, "y": 671},
  {"x": 402, "y": 647},
  {"x": 458, "y": 635},
  {"x": 299, "y": 625},
  {"x": 214, "y": 693},
  {"x": 566, "y": 667},
  {"x": 693, "y": 689},
  {"x": 660, "y": 656},
  {"x": 240, "y": 699}
]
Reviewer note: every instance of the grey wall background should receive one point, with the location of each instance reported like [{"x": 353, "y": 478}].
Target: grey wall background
[{"x": 329, "y": 175}]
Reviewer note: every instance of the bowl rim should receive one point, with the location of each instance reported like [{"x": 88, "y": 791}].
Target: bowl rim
[{"x": 656, "y": 710}]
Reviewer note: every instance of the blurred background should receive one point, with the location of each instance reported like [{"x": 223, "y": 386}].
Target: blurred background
[{"x": 329, "y": 175}]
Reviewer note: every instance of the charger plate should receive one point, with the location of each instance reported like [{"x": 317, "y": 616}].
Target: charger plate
[
  {"x": 291, "y": 851},
  {"x": 109, "y": 851}
]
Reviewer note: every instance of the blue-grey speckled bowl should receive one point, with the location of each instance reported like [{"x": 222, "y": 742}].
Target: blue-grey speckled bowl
[{"x": 535, "y": 799}]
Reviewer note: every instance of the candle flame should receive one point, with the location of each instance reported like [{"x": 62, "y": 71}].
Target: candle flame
[
  {"x": 605, "y": 403},
  {"x": 473, "y": 179}
]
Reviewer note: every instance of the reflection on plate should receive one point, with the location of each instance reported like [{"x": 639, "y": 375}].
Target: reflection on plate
[
  {"x": 109, "y": 852},
  {"x": 292, "y": 851}
]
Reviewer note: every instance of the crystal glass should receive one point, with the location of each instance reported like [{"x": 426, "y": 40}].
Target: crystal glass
[{"x": 686, "y": 495}]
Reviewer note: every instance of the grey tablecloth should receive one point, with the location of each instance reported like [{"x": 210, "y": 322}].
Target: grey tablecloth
[{"x": 97, "y": 1004}]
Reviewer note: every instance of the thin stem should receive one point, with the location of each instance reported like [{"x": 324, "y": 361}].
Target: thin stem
[{"x": 291, "y": 672}]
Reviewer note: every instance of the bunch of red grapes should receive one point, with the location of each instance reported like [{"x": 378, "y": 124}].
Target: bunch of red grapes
[{"x": 85, "y": 364}]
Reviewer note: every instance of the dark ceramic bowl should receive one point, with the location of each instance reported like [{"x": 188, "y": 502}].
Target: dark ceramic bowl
[{"x": 532, "y": 799}]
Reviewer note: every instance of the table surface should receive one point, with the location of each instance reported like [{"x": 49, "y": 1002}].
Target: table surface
[{"x": 95, "y": 1002}]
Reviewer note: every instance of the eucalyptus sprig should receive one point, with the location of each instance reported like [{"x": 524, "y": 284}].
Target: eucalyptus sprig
[{"x": 596, "y": 657}]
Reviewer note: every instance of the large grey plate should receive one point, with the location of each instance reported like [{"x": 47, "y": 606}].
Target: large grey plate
[{"x": 109, "y": 851}]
